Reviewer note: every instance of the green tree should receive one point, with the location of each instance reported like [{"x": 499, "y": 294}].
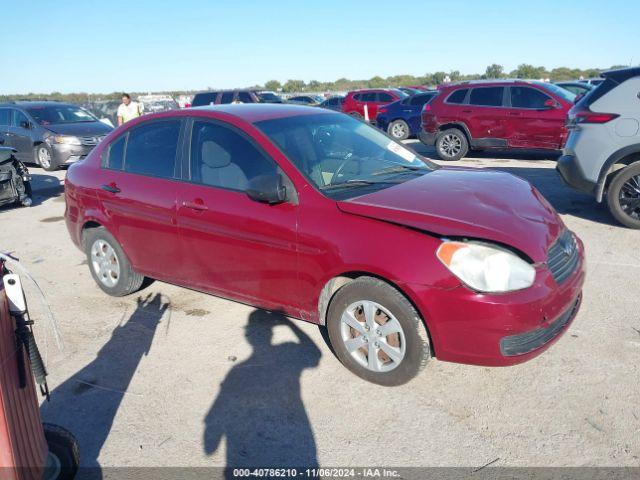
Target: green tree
[
  {"x": 529, "y": 71},
  {"x": 494, "y": 71},
  {"x": 292, "y": 86},
  {"x": 273, "y": 85}
]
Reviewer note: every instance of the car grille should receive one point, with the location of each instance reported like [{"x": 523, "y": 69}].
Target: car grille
[
  {"x": 91, "y": 141},
  {"x": 563, "y": 256}
]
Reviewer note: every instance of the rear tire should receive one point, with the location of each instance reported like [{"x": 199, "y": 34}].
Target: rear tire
[
  {"x": 623, "y": 196},
  {"x": 398, "y": 129},
  {"x": 452, "y": 144},
  {"x": 376, "y": 333},
  {"x": 63, "y": 449},
  {"x": 109, "y": 266}
]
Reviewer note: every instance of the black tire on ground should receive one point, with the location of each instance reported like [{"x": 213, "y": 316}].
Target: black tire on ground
[
  {"x": 452, "y": 144},
  {"x": 623, "y": 196},
  {"x": 38, "y": 157},
  {"x": 417, "y": 349},
  {"x": 63, "y": 446},
  {"x": 128, "y": 281},
  {"x": 398, "y": 129}
]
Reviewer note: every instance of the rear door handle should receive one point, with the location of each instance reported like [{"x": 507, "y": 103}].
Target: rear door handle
[
  {"x": 111, "y": 188},
  {"x": 197, "y": 204}
]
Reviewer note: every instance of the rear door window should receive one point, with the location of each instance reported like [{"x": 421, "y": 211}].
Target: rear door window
[
  {"x": 369, "y": 97},
  {"x": 384, "y": 97},
  {"x": 152, "y": 148},
  {"x": 527, "y": 97},
  {"x": 227, "y": 97},
  {"x": 207, "y": 98},
  {"x": 486, "y": 96},
  {"x": 245, "y": 97},
  {"x": 458, "y": 96}
]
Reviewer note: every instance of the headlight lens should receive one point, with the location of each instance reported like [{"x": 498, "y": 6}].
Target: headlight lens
[
  {"x": 66, "y": 139},
  {"x": 486, "y": 268}
]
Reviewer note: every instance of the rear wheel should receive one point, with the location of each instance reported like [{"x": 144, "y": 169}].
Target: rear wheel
[
  {"x": 109, "y": 266},
  {"x": 623, "y": 196},
  {"x": 451, "y": 144},
  {"x": 376, "y": 333},
  {"x": 64, "y": 458},
  {"x": 398, "y": 129}
]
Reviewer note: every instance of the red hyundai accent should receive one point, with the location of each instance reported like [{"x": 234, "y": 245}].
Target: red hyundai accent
[{"x": 321, "y": 217}]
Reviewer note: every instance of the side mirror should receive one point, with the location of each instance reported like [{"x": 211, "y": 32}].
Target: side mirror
[
  {"x": 267, "y": 189},
  {"x": 549, "y": 104},
  {"x": 25, "y": 124}
]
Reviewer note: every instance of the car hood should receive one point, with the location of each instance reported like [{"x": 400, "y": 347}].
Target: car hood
[
  {"x": 80, "y": 129},
  {"x": 467, "y": 202}
]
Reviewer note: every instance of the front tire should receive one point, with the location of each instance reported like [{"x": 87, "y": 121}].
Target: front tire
[
  {"x": 451, "y": 144},
  {"x": 376, "y": 333},
  {"x": 109, "y": 266},
  {"x": 63, "y": 452},
  {"x": 623, "y": 196},
  {"x": 398, "y": 129},
  {"x": 44, "y": 157}
]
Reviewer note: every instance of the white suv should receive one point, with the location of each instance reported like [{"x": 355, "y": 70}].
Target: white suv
[{"x": 602, "y": 154}]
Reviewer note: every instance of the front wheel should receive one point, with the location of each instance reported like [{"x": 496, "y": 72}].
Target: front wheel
[
  {"x": 623, "y": 196},
  {"x": 451, "y": 144},
  {"x": 398, "y": 129},
  {"x": 109, "y": 266},
  {"x": 44, "y": 157},
  {"x": 376, "y": 333},
  {"x": 64, "y": 458}
]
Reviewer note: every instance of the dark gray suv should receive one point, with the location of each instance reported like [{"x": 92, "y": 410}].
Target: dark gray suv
[{"x": 49, "y": 134}]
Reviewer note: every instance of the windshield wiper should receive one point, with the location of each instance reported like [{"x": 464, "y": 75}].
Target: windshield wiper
[
  {"x": 399, "y": 169},
  {"x": 354, "y": 183}
]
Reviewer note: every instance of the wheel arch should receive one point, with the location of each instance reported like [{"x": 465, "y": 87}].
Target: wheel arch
[
  {"x": 457, "y": 125},
  {"x": 622, "y": 157},
  {"x": 335, "y": 283}
]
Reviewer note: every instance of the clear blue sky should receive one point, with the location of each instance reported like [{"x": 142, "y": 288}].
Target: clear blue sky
[{"x": 138, "y": 45}]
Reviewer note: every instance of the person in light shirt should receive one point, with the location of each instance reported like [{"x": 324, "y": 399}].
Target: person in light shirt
[{"x": 128, "y": 110}]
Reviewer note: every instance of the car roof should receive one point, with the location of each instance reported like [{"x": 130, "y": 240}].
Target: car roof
[
  {"x": 621, "y": 75},
  {"x": 256, "y": 112}
]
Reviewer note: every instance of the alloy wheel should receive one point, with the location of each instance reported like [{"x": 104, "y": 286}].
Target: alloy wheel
[
  {"x": 44, "y": 157},
  {"x": 451, "y": 145},
  {"x": 629, "y": 197},
  {"x": 105, "y": 264},
  {"x": 373, "y": 336},
  {"x": 398, "y": 130}
]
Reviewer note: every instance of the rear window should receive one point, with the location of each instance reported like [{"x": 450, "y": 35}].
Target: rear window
[
  {"x": 486, "y": 96},
  {"x": 421, "y": 99},
  {"x": 458, "y": 96},
  {"x": 207, "y": 98}
]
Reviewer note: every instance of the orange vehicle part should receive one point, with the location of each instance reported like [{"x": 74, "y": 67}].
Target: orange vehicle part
[{"x": 23, "y": 448}]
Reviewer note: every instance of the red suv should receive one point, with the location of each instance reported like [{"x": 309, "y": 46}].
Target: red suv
[
  {"x": 496, "y": 114},
  {"x": 313, "y": 214},
  {"x": 354, "y": 103}
]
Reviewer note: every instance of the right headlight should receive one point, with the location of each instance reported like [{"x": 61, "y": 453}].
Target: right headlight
[{"x": 486, "y": 268}]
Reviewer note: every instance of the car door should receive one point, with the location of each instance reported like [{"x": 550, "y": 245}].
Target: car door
[
  {"x": 5, "y": 118},
  {"x": 535, "y": 119},
  {"x": 485, "y": 116},
  {"x": 138, "y": 193},
  {"x": 232, "y": 245},
  {"x": 18, "y": 136}
]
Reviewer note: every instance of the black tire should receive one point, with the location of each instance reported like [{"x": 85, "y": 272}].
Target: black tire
[
  {"x": 402, "y": 126},
  {"x": 622, "y": 193},
  {"x": 128, "y": 280},
  {"x": 64, "y": 448},
  {"x": 356, "y": 115},
  {"x": 452, "y": 144},
  {"x": 49, "y": 167},
  {"x": 417, "y": 350}
]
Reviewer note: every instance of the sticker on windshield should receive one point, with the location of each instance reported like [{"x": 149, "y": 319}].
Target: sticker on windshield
[{"x": 405, "y": 153}]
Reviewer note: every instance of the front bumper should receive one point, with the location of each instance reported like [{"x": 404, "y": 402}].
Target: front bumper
[
  {"x": 571, "y": 172},
  {"x": 63, "y": 154},
  {"x": 470, "y": 327},
  {"x": 427, "y": 138}
]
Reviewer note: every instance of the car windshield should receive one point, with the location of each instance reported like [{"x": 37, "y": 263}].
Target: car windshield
[
  {"x": 269, "y": 97},
  {"x": 343, "y": 157},
  {"x": 560, "y": 92},
  {"x": 57, "y": 114}
]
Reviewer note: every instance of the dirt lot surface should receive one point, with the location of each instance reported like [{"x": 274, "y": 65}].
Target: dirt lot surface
[{"x": 174, "y": 377}]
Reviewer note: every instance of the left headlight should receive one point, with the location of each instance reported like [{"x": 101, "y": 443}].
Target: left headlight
[
  {"x": 65, "y": 139},
  {"x": 486, "y": 268}
]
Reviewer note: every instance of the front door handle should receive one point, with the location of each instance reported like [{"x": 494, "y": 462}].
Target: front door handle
[
  {"x": 197, "y": 204},
  {"x": 111, "y": 188}
]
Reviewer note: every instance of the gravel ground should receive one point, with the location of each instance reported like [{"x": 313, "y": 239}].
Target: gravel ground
[{"x": 173, "y": 377}]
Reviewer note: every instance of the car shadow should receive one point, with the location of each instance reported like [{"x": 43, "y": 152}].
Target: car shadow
[
  {"x": 563, "y": 198},
  {"x": 259, "y": 410},
  {"x": 44, "y": 187},
  {"x": 87, "y": 402}
]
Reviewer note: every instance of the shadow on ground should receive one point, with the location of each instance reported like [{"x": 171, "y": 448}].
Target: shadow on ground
[
  {"x": 259, "y": 410},
  {"x": 88, "y": 402}
]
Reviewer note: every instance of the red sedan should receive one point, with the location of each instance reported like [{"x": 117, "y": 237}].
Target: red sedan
[{"x": 321, "y": 217}]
